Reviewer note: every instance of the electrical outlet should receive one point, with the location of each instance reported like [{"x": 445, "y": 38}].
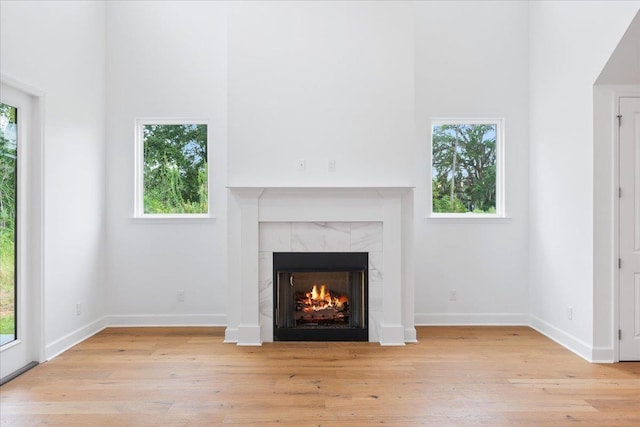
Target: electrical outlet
[
  {"x": 331, "y": 166},
  {"x": 570, "y": 313},
  {"x": 78, "y": 309},
  {"x": 453, "y": 295},
  {"x": 180, "y": 296},
  {"x": 301, "y": 164}
]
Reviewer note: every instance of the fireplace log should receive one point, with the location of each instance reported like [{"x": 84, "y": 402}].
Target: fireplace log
[{"x": 320, "y": 316}]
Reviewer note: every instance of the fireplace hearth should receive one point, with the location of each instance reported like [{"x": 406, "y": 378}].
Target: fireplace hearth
[{"x": 320, "y": 296}]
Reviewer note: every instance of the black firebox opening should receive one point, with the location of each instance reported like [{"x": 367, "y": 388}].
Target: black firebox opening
[{"x": 320, "y": 296}]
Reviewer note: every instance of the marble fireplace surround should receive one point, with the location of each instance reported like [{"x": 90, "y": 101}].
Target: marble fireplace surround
[{"x": 377, "y": 220}]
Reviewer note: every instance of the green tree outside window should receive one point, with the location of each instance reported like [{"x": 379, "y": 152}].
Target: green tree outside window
[
  {"x": 8, "y": 221},
  {"x": 464, "y": 168},
  {"x": 175, "y": 170}
]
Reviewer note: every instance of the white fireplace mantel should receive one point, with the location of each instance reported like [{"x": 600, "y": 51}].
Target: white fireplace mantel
[{"x": 390, "y": 206}]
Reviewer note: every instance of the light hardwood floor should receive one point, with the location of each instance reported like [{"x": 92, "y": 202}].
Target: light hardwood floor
[{"x": 494, "y": 376}]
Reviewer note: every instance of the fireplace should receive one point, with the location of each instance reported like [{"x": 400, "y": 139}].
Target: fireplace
[
  {"x": 320, "y": 296},
  {"x": 375, "y": 220}
]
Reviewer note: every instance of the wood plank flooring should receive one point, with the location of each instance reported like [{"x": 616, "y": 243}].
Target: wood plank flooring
[{"x": 454, "y": 376}]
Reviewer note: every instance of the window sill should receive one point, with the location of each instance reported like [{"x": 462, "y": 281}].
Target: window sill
[
  {"x": 172, "y": 219},
  {"x": 468, "y": 219}
]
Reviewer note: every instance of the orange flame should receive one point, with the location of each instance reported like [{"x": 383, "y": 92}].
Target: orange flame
[{"x": 322, "y": 299}]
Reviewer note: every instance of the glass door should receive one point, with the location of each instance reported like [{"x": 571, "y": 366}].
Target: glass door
[
  {"x": 20, "y": 233},
  {"x": 8, "y": 222}
]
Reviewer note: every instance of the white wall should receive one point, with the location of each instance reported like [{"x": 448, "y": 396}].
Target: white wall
[
  {"x": 336, "y": 80},
  {"x": 165, "y": 59},
  {"x": 623, "y": 67},
  {"x": 320, "y": 81},
  {"x": 58, "y": 48},
  {"x": 570, "y": 44},
  {"x": 352, "y": 81},
  {"x": 472, "y": 61},
  {"x": 356, "y": 82}
]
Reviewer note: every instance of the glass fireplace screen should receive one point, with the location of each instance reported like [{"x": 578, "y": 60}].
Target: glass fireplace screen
[{"x": 320, "y": 296}]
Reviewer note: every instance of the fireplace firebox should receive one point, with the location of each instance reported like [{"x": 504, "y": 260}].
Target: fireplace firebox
[{"x": 320, "y": 296}]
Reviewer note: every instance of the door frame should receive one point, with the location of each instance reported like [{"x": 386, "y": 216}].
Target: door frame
[
  {"x": 32, "y": 265},
  {"x": 618, "y": 94}
]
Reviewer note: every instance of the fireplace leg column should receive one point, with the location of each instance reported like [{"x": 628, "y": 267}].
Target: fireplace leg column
[
  {"x": 391, "y": 327},
  {"x": 244, "y": 262}
]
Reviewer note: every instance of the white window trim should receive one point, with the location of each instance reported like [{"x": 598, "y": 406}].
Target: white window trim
[
  {"x": 500, "y": 214},
  {"x": 138, "y": 210}
]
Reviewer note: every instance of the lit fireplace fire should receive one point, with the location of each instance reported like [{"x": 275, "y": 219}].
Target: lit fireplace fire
[
  {"x": 321, "y": 305},
  {"x": 322, "y": 300}
]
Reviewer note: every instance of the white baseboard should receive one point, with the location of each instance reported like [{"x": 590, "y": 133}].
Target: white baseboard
[
  {"x": 473, "y": 319},
  {"x": 410, "y": 335},
  {"x": 231, "y": 335},
  {"x": 571, "y": 343},
  {"x": 391, "y": 335},
  {"x": 66, "y": 342},
  {"x": 566, "y": 340},
  {"x": 133, "y": 320},
  {"x": 603, "y": 355},
  {"x": 249, "y": 335},
  {"x": 575, "y": 345}
]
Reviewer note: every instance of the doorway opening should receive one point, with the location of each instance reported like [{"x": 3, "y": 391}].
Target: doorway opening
[{"x": 21, "y": 239}]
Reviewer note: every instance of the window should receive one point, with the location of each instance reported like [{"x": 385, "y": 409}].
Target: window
[
  {"x": 466, "y": 168},
  {"x": 172, "y": 169}
]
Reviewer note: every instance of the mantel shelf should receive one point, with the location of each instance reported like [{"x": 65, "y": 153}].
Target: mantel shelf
[{"x": 322, "y": 188}]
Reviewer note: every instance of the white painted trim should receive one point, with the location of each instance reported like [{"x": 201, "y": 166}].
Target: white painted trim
[
  {"x": 391, "y": 335},
  {"x": 31, "y": 90},
  {"x": 468, "y": 219},
  {"x": 571, "y": 343},
  {"x": 249, "y": 335},
  {"x": 338, "y": 188},
  {"x": 566, "y": 340},
  {"x": 73, "y": 338},
  {"x": 618, "y": 93},
  {"x": 11, "y": 344},
  {"x": 38, "y": 128},
  {"x": 615, "y": 279},
  {"x": 603, "y": 355},
  {"x": 140, "y": 320},
  {"x": 231, "y": 335},
  {"x": 136, "y": 320},
  {"x": 250, "y": 206},
  {"x": 472, "y": 319},
  {"x": 173, "y": 219},
  {"x": 37, "y": 267},
  {"x": 410, "y": 335},
  {"x": 606, "y": 211}
]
